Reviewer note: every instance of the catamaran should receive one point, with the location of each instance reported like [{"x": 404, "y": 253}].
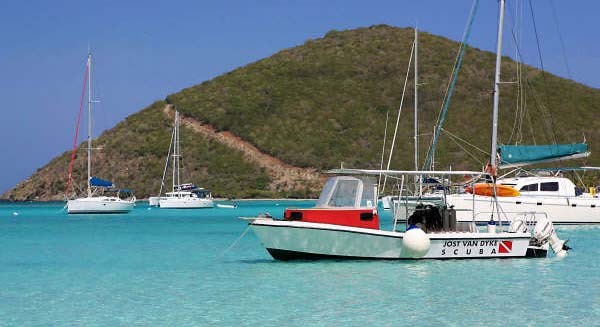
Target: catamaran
[
  {"x": 553, "y": 196},
  {"x": 182, "y": 196},
  {"x": 344, "y": 224},
  {"x": 102, "y": 196}
]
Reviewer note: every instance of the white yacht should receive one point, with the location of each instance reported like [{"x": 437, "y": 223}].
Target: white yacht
[
  {"x": 100, "y": 204},
  {"x": 182, "y": 196},
  {"x": 555, "y": 197},
  {"x": 187, "y": 196},
  {"x": 98, "y": 199}
]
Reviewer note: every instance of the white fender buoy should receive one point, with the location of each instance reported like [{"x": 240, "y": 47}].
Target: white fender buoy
[
  {"x": 415, "y": 243},
  {"x": 15, "y": 213}
]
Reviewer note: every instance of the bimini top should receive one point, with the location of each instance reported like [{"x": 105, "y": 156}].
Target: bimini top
[
  {"x": 348, "y": 192},
  {"x": 95, "y": 181}
]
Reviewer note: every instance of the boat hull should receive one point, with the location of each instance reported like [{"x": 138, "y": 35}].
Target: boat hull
[
  {"x": 290, "y": 240},
  {"x": 560, "y": 210},
  {"x": 185, "y": 203},
  {"x": 103, "y": 204}
]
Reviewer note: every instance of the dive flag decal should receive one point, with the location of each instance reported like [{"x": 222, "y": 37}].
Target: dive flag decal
[{"x": 505, "y": 247}]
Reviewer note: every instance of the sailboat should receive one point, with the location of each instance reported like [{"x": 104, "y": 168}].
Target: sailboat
[
  {"x": 553, "y": 196},
  {"x": 388, "y": 201},
  {"x": 530, "y": 193},
  {"x": 182, "y": 196},
  {"x": 535, "y": 192},
  {"x": 344, "y": 224},
  {"x": 102, "y": 196}
]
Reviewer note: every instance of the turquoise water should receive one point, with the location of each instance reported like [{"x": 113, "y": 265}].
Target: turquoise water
[{"x": 156, "y": 267}]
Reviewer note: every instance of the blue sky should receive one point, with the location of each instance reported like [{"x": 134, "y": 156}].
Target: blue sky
[{"x": 145, "y": 50}]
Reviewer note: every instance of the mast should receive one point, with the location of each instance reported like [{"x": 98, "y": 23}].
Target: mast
[
  {"x": 89, "y": 143},
  {"x": 416, "y": 127},
  {"x": 497, "y": 90},
  {"x": 175, "y": 149},
  {"x": 178, "y": 152}
]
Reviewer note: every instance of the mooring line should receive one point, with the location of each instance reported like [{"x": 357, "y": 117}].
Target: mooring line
[{"x": 234, "y": 243}]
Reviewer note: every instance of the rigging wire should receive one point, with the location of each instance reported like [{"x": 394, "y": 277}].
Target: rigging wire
[
  {"x": 399, "y": 112},
  {"x": 517, "y": 24},
  {"x": 466, "y": 142},
  {"x": 549, "y": 122},
  {"x": 562, "y": 43},
  {"x": 387, "y": 116},
  {"x": 449, "y": 91},
  {"x": 537, "y": 40},
  {"x": 85, "y": 79},
  {"x": 162, "y": 182},
  {"x": 478, "y": 160}
]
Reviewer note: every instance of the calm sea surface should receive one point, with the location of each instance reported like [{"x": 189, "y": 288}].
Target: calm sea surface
[{"x": 156, "y": 267}]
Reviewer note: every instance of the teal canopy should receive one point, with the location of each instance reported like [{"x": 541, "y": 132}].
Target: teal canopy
[{"x": 528, "y": 154}]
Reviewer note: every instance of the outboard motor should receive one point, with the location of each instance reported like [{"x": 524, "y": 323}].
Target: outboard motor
[{"x": 544, "y": 233}]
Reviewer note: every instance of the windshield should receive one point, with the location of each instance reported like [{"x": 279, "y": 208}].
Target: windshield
[
  {"x": 344, "y": 194},
  {"x": 347, "y": 192},
  {"x": 322, "y": 202}
]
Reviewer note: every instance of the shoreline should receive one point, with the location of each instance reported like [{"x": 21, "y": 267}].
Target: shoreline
[{"x": 146, "y": 200}]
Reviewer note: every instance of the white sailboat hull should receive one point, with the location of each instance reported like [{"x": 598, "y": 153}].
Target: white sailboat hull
[
  {"x": 185, "y": 203},
  {"x": 99, "y": 204},
  {"x": 154, "y": 201},
  {"x": 288, "y": 240},
  {"x": 559, "y": 209}
]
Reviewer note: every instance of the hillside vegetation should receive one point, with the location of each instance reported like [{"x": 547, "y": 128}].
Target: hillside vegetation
[{"x": 325, "y": 102}]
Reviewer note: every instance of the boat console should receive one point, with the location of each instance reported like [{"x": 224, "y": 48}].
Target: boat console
[{"x": 345, "y": 201}]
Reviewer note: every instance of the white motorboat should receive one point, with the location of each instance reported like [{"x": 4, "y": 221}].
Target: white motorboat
[
  {"x": 345, "y": 220},
  {"x": 182, "y": 196},
  {"x": 344, "y": 224},
  {"x": 98, "y": 199}
]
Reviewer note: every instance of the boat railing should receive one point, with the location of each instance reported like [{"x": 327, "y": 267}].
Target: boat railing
[{"x": 530, "y": 217}]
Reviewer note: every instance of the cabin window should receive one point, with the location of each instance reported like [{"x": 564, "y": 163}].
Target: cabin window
[
  {"x": 201, "y": 194},
  {"x": 344, "y": 194},
  {"x": 529, "y": 188},
  {"x": 549, "y": 187}
]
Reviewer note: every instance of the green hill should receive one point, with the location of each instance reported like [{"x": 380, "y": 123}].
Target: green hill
[{"x": 325, "y": 102}]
